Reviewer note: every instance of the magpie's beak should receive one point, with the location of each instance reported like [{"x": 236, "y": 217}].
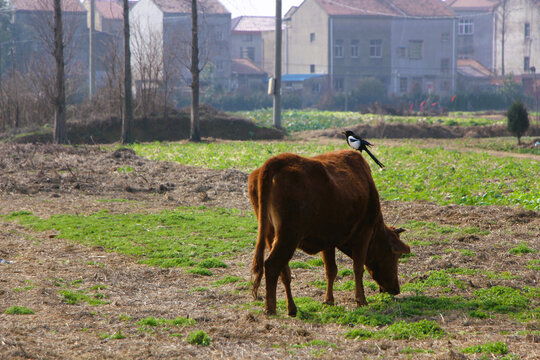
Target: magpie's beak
[{"x": 344, "y": 133}]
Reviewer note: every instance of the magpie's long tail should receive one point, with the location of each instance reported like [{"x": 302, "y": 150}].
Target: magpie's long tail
[{"x": 373, "y": 157}]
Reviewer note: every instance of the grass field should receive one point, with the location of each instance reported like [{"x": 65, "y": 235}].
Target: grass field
[
  {"x": 299, "y": 120},
  {"x": 414, "y": 171}
]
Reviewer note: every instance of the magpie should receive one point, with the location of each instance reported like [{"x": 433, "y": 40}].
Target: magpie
[{"x": 357, "y": 143}]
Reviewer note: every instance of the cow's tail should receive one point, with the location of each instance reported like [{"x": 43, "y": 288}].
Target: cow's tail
[{"x": 263, "y": 190}]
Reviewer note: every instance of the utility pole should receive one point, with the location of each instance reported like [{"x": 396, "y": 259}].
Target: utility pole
[
  {"x": 127, "y": 113},
  {"x": 277, "y": 69},
  {"x": 194, "y": 133},
  {"x": 91, "y": 68}
]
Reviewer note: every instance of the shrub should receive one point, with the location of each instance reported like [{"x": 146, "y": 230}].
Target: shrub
[{"x": 518, "y": 119}]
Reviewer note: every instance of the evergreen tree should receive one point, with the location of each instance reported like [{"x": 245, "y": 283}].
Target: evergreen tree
[{"x": 518, "y": 119}]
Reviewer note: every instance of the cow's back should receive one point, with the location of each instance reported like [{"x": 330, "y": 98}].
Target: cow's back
[{"x": 319, "y": 199}]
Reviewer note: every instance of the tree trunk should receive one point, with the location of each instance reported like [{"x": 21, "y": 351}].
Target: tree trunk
[
  {"x": 60, "y": 133},
  {"x": 194, "y": 131},
  {"x": 127, "y": 113}
]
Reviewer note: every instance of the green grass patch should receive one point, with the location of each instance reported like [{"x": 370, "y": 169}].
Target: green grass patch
[
  {"x": 19, "y": 310},
  {"x": 212, "y": 263},
  {"x": 115, "y": 336},
  {"x": 76, "y": 297},
  {"x": 433, "y": 279},
  {"x": 315, "y": 262},
  {"x": 299, "y": 265},
  {"x": 199, "y": 271},
  {"x": 311, "y": 119},
  {"x": 228, "y": 280},
  {"x": 172, "y": 238},
  {"x": 412, "y": 172},
  {"x": 199, "y": 337},
  {"x": 150, "y": 322},
  {"x": 522, "y": 249},
  {"x": 414, "y": 330},
  {"x": 534, "y": 264},
  {"x": 498, "y": 348}
]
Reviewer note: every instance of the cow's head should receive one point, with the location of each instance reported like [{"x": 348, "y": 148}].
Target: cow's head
[{"x": 382, "y": 260}]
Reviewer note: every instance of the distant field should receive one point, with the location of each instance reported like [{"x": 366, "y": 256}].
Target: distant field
[
  {"x": 299, "y": 120},
  {"x": 412, "y": 173}
]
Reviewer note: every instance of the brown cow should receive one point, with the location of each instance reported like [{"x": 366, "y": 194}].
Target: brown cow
[{"x": 319, "y": 204}]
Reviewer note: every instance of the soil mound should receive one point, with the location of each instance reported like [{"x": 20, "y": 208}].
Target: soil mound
[{"x": 213, "y": 124}]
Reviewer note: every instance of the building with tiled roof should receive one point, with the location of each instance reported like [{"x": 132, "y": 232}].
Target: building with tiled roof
[
  {"x": 109, "y": 16},
  {"x": 161, "y": 29},
  {"x": 503, "y": 36},
  {"x": 247, "y": 37},
  {"x": 33, "y": 19},
  {"x": 399, "y": 42}
]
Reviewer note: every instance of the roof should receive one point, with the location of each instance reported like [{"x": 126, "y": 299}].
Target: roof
[
  {"x": 472, "y": 68},
  {"x": 393, "y": 8},
  {"x": 299, "y": 77},
  {"x": 110, "y": 9},
  {"x": 184, "y": 6},
  {"x": 47, "y": 5},
  {"x": 253, "y": 23},
  {"x": 246, "y": 67},
  {"x": 473, "y": 5}
]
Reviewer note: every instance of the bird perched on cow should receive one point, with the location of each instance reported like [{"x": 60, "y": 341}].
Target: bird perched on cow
[{"x": 357, "y": 143}]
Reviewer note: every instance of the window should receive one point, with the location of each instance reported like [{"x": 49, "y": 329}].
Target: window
[
  {"x": 219, "y": 35},
  {"x": 312, "y": 37},
  {"x": 312, "y": 68},
  {"x": 445, "y": 37},
  {"x": 219, "y": 65},
  {"x": 403, "y": 85},
  {"x": 315, "y": 88},
  {"x": 338, "y": 49},
  {"x": 445, "y": 85},
  {"x": 247, "y": 53},
  {"x": 445, "y": 65},
  {"x": 339, "y": 84},
  {"x": 401, "y": 52},
  {"x": 375, "y": 48},
  {"x": 526, "y": 63},
  {"x": 248, "y": 37},
  {"x": 527, "y": 30},
  {"x": 465, "y": 27},
  {"x": 416, "y": 49},
  {"x": 355, "y": 50}
]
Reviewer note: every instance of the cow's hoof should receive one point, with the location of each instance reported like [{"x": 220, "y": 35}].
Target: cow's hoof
[
  {"x": 292, "y": 313},
  {"x": 361, "y": 303},
  {"x": 270, "y": 312},
  {"x": 329, "y": 302}
]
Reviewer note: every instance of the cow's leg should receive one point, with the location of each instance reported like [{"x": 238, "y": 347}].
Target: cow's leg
[
  {"x": 282, "y": 251},
  {"x": 286, "y": 279},
  {"x": 330, "y": 268},
  {"x": 359, "y": 259}
]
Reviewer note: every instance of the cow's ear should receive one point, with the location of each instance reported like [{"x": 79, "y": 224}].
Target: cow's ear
[
  {"x": 399, "y": 230},
  {"x": 398, "y": 246}
]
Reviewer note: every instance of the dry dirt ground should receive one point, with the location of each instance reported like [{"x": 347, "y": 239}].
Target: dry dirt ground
[{"x": 51, "y": 180}]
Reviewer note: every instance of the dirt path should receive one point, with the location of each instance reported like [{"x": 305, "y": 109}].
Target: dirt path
[{"x": 48, "y": 180}]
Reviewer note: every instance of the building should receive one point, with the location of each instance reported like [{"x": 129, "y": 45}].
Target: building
[
  {"x": 247, "y": 40},
  {"x": 108, "y": 17},
  {"x": 161, "y": 40},
  {"x": 502, "y": 35},
  {"x": 246, "y": 76},
  {"x": 399, "y": 42},
  {"x": 34, "y": 33}
]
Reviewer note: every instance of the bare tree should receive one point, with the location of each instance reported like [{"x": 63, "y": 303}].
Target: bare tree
[
  {"x": 127, "y": 113},
  {"x": 60, "y": 132},
  {"x": 194, "y": 129}
]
